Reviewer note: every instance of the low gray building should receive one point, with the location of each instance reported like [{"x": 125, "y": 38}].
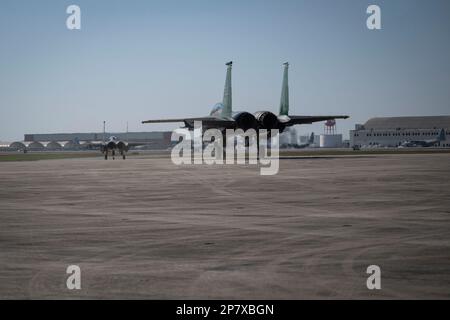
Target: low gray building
[
  {"x": 77, "y": 141},
  {"x": 393, "y": 131}
]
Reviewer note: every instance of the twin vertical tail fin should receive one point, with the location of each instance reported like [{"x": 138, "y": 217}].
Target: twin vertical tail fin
[
  {"x": 284, "y": 102},
  {"x": 442, "y": 135},
  {"x": 227, "y": 101},
  {"x": 311, "y": 138},
  {"x": 104, "y": 130}
]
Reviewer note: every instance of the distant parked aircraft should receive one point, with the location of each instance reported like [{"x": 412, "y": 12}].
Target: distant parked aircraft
[
  {"x": 425, "y": 143},
  {"x": 305, "y": 145},
  {"x": 301, "y": 145}
]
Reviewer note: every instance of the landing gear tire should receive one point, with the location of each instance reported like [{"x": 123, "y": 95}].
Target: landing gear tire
[
  {"x": 123, "y": 156},
  {"x": 106, "y": 156}
]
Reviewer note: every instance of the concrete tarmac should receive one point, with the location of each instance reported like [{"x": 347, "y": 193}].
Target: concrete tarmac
[{"x": 145, "y": 228}]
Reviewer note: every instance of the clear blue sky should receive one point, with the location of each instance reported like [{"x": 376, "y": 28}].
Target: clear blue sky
[{"x": 136, "y": 60}]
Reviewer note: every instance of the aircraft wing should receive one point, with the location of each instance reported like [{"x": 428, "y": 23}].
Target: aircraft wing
[
  {"x": 177, "y": 120},
  {"x": 135, "y": 144},
  {"x": 94, "y": 143},
  {"x": 292, "y": 120},
  {"x": 211, "y": 122}
]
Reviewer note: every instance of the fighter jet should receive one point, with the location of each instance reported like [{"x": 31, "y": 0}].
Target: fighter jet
[
  {"x": 424, "y": 143},
  {"x": 222, "y": 117},
  {"x": 300, "y": 145},
  {"x": 307, "y": 144},
  {"x": 113, "y": 145}
]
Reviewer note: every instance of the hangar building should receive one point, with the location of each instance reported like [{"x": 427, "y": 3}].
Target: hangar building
[
  {"x": 76, "y": 141},
  {"x": 393, "y": 131}
]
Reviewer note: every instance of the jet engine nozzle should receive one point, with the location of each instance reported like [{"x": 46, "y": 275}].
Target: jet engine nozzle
[
  {"x": 245, "y": 121},
  {"x": 111, "y": 145},
  {"x": 267, "y": 120},
  {"x": 121, "y": 145}
]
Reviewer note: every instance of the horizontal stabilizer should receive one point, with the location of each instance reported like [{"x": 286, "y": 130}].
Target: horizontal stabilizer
[
  {"x": 177, "y": 120},
  {"x": 206, "y": 121},
  {"x": 293, "y": 120}
]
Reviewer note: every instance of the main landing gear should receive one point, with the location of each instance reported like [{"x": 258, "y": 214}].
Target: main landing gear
[{"x": 113, "y": 154}]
